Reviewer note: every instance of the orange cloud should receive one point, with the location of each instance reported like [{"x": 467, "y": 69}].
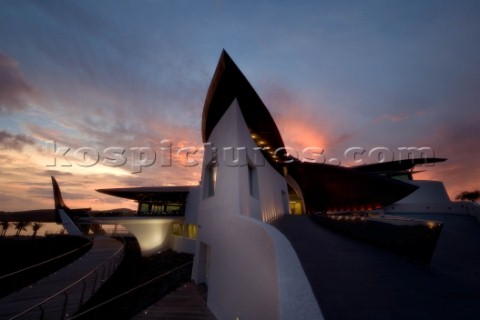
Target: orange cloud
[{"x": 300, "y": 134}]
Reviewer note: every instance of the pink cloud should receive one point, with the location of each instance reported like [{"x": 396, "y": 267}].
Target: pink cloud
[{"x": 459, "y": 143}]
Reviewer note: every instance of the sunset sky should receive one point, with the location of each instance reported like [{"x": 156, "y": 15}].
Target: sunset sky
[{"x": 129, "y": 74}]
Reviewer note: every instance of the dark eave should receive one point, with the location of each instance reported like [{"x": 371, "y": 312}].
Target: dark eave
[
  {"x": 152, "y": 193},
  {"x": 335, "y": 188},
  {"x": 397, "y": 166}
]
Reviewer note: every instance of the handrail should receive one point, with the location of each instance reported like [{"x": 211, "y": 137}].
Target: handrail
[
  {"x": 131, "y": 290},
  {"x": 44, "y": 262},
  {"x": 114, "y": 255},
  {"x": 118, "y": 232}
]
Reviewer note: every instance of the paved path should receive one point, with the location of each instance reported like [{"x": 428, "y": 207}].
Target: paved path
[
  {"x": 102, "y": 249},
  {"x": 187, "y": 302},
  {"x": 355, "y": 280}
]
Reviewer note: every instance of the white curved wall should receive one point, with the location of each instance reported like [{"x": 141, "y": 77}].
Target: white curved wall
[
  {"x": 153, "y": 234},
  {"x": 183, "y": 243},
  {"x": 232, "y": 187},
  {"x": 471, "y": 208},
  {"x": 251, "y": 270},
  {"x": 191, "y": 205},
  {"x": 428, "y": 192},
  {"x": 431, "y": 196}
]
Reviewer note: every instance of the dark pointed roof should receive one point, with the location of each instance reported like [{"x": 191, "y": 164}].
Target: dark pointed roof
[
  {"x": 397, "y": 167},
  {"x": 324, "y": 187},
  {"x": 228, "y": 83},
  {"x": 335, "y": 188}
]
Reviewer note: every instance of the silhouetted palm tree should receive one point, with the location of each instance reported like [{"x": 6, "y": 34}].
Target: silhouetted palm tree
[
  {"x": 468, "y": 195},
  {"x": 5, "y": 225},
  {"x": 35, "y": 227},
  {"x": 21, "y": 225}
]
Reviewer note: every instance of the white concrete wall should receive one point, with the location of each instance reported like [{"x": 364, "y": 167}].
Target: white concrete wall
[
  {"x": 296, "y": 296},
  {"x": 192, "y": 204},
  {"x": 182, "y": 243},
  {"x": 153, "y": 234},
  {"x": 232, "y": 188},
  {"x": 428, "y": 192},
  {"x": 431, "y": 196},
  {"x": 251, "y": 270},
  {"x": 471, "y": 208}
]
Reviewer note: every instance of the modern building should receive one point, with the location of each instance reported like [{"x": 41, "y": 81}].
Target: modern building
[{"x": 249, "y": 180}]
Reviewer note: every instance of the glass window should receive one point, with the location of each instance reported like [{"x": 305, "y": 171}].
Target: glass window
[
  {"x": 144, "y": 207},
  {"x": 191, "y": 231},
  {"x": 178, "y": 229}
]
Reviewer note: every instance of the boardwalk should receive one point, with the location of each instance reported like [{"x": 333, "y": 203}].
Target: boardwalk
[
  {"x": 354, "y": 280},
  {"x": 187, "y": 302},
  {"x": 102, "y": 249}
]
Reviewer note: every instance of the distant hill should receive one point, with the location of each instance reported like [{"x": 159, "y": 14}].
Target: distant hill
[
  {"x": 48, "y": 215},
  {"x": 124, "y": 212}
]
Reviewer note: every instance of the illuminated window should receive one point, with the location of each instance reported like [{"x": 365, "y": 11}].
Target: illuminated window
[
  {"x": 144, "y": 207},
  {"x": 213, "y": 180},
  {"x": 174, "y": 208},
  {"x": 157, "y": 208},
  {"x": 296, "y": 207},
  {"x": 178, "y": 229},
  {"x": 191, "y": 231}
]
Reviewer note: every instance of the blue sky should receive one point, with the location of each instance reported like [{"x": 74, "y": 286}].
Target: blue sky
[{"x": 334, "y": 74}]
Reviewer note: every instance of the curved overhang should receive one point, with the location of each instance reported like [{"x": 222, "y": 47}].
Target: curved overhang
[
  {"x": 228, "y": 83},
  {"x": 179, "y": 193},
  {"x": 334, "y": 188}
]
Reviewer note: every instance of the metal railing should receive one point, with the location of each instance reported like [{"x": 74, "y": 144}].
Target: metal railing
[
  {"x": 163, "y": 275},
  {"x": 45, "y": 262},
  {"x": 113, "y": 233},
  {"x": 68, "y": 300}
]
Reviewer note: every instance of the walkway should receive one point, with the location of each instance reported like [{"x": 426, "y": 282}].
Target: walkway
[
  {"x": 187, "y": 302},
  {"x": 355, "y": 280},
  {"x": 103, "y": 248}
]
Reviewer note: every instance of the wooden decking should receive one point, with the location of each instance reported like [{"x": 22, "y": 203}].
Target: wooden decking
[
  {"x": 65, "y": 304},
  {"x": 187, "y": 302}
]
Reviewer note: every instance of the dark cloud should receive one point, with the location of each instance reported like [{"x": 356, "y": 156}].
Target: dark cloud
[
  {"x": 9, "y": 141},
  {"x": 13, "y": 88}
]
